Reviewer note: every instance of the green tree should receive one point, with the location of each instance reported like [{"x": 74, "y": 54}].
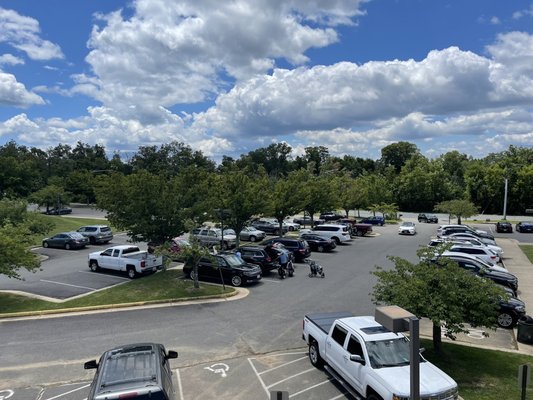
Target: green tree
[
  {"x": 242, "y": 195},
  {"x": 316, "y": 193},
  {"x": 17, "y": 228},
  {"x": 449, "y": 296},
  {"x": 284, "y": 199},
  {"x": 397, "y": 154},
  {"x": 50, "y": 196},
  {"x": 457, "y": 208}
]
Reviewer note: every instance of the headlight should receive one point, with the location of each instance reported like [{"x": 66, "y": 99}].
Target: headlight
[{"x": 520, "y": 309}]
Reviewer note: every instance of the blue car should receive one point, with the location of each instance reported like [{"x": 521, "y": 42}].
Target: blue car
[
  {"x": 524, "y": 226},
  {"x": 375, "y": 220}
]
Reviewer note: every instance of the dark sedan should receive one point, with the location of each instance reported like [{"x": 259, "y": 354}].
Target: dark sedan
[
  {"x": 504, "y": 226},
  {"x": 524, "y": 227},
  {"x": 225, "y": 267},
  {"x": 318, "y": 243},
  {"x": 67, "y": 241},
  {"x": 374, "y": 220},
  {"x": 58, "y": 211}
]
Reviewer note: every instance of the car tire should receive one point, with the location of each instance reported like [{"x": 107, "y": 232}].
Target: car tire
[
  {"x": 373, "y": 396},
  {"x": 192, "y": 275},
  {"x": 358, "y": 233},
  {"x": 132, "y": 274},
  {"x": 506, "y": 320},
  {"x": 92, "y": 240},
  {"x": 45, "y": 245},
  {"x": 252, "y": 238},
  {"x": 320, "y": 249},
  {"x": 314, "y": 355},
  {"x": 236, "y": 280},
  {"x": 67, "y": 246},
  {"x": 337, "y": 240},
  {"x": 93, "y": 265}
]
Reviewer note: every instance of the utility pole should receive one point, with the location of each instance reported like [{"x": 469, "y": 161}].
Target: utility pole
[{"x": 505, "y": 201}]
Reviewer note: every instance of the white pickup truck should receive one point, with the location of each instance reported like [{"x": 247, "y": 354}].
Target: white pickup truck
[
  {"x": 370, "y": 361},
  {"x": 125, "y": 258}
]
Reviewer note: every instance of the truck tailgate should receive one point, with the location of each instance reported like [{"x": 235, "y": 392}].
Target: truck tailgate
[{"x": 325, "y": 320}]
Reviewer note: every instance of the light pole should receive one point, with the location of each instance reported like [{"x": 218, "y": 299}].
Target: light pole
[
  {"x": 505, "y": 201},
  {"x": 222, "y": 213}
]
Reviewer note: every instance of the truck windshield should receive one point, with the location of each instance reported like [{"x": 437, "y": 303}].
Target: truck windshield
[{"x": 389, "y": 353}]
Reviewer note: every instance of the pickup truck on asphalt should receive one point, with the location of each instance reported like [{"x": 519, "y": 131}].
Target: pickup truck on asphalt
[
  {"x": 356, "y": 228},
  {"x": 370, "y": 361},
  {"x": 127, "y": 258}
]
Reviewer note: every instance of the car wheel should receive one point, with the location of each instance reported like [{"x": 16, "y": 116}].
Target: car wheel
[
  {"x": 314, "y": 355},
  {"x": 193, "y": 275},
  {"x": 252, "y": 239},
  {"x": 131, "y": 273},
  {"x": 45, "y": 245},
  {"x": 373, "y": 396},
  {"x": 506, "y": 320},
  {"x": 291, "y": 228},
  {"x": 236, "y": 280},
  {"x": 320, "y": 249},
  {"x": 358, "y": 233},
  {"x": 337, "y": 240},
  {"x": 92, "y": 240},
  {"x": 67, "y": 246},
  {"x": 94, "y": 266}
]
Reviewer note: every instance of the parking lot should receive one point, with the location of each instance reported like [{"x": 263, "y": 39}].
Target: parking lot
[{"x": 247, "y": 376}]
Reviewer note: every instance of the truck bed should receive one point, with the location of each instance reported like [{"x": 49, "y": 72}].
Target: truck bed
[{"x": 325, "y": 320}]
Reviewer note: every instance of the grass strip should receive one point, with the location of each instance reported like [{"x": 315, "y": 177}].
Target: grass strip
[
  {"x": 528, "y": 251},
  {"x": 160, "y": 287}
]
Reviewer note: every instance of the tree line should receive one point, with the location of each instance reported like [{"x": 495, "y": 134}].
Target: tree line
[{"x": 153, "y": 192}]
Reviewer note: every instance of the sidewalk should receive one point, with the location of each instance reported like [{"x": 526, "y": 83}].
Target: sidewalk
[{"x": 502, "y": 339}]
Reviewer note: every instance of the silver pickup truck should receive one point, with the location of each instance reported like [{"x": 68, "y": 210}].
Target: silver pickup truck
[{"x": 127, "y": 258}]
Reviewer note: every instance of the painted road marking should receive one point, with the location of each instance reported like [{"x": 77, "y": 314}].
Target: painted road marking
[
  {"x": 69, "y": 392},
  {"x": 219, "y": 368},
  {"x": 68, "y": 284},
  {"x": 6, "y": 394}
]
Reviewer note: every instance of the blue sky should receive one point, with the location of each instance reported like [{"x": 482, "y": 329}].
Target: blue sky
[{"x": 229, "y": 77}]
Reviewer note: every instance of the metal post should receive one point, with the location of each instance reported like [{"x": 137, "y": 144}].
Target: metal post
[
  {"x": 414, "y": 331},
  {"x": 505, "y": 201}
]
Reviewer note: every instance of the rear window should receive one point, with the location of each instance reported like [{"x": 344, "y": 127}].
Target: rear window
[
  {"x": 122, "y": 367},
  {"x": 326, "y": 229},
  {"x": 130, "y": 250},
  {"x": 105, "y": 229}
]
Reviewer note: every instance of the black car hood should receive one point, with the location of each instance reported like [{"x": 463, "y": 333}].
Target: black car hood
[
  {"x": 499, "y": 274},
  {"x": 247, "y": 267}
]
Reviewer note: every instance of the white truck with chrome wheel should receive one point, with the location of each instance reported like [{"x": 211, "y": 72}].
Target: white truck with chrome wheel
[
  {"x": 128, "y": 258},
  {"x": 370, "y": 361}
]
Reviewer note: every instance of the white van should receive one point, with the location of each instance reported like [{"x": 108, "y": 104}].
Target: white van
[{"x": 339, "y": 233}]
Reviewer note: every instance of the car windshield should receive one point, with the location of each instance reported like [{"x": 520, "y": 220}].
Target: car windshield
[
  {"x": 408, "y": 224},
  {"x": 233, "y": 260},
  {"x": 388, "y": 353},
  {"x": 229, "y": 232}
]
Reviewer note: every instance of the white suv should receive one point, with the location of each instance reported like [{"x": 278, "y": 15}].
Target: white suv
[{"x": 339, "y": 233}]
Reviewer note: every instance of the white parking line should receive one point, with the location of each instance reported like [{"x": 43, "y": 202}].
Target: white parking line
[
  {"x": 180, "y": 388},
  {"x": 290, "y": 377},
  {"x": 111, "y": 276},
  {"x": 71, "y": 391},
  {"x": 67, "y": 284}
]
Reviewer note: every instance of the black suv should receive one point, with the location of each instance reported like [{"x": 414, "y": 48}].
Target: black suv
[
  {"x": 299, "y": 248},
  {"x": 429, "y": 218},
  {"x": 258, "y": 255},
  {"x": 133, "y": 371},
  {"x": 226, "y": 267}
]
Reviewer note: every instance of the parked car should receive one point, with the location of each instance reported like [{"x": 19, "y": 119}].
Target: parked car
[
  {"x": 251, "y": 234},
  {"x": 468, "y": 235},
  {"x": 258, "y": 255},
  {"x": 479, "y": 251},
  {"x": 469, "y": 240},
  {"x": 97, "y": 234},
  {"x": 227, "y": 267},
  {"x": 407, "y": 228},
  {"x": 58, "y": 211},
  {"x": 477, "y": 268},
  {"x": 318, "y": 243},
  {"x": 177, "y": 245},
  {"x": 133, "y": 371},
  {"x": 299, "y": 248},
  {"x": 306, "y": 220},
  {"x": 428, "y": 218},
  {"x": 214, "y": 237},
  {"x": 330, "y": 216},
  {"x": 374, "y": 220},
  {"x": 510, "y": 310},
  {"x": 504, "y": 226},
  {"x": 339, "y": 233},
  {"x": 129, "y": 258},
  {"x": 269, "y": 227},
  {"x": 445, "y": 230},
  {"x": 524, "y": 227},
  {"x": 66, "y": 240},
  {"x": 356, "y": 228}
]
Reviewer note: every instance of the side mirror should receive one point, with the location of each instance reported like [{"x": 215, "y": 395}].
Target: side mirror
[
  {"x": 358, "y": 359},
  {"x": 90, "y": 364},
  {"x": 172, "y": 354}
]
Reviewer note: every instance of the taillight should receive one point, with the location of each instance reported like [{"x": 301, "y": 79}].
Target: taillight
[
  {"x": 143, "y": 264},
  {"x": 268, "y": 259}
]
